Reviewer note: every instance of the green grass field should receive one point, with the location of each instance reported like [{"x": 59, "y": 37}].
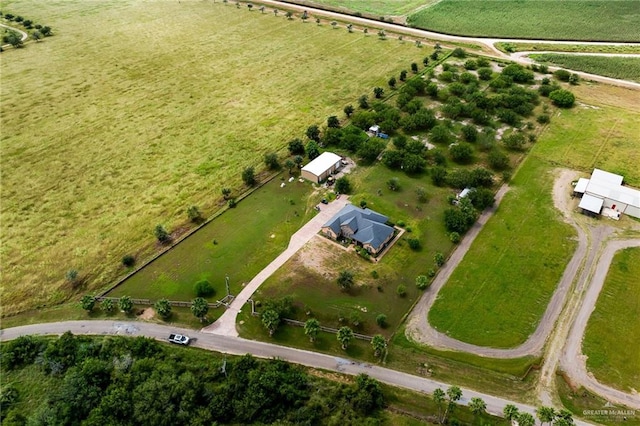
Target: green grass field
[
  {"x": 247, "y": 238},
  {"x": 558, "y": 20},
  {"x": 616, "y": 67},
  {"x": 501, "y": 289},
  {"x": 373, "y": 7},
  {"x": 613, "y": 325},
  {"x": 582, "y": 48},
  {"x": 110, "y": 131}
]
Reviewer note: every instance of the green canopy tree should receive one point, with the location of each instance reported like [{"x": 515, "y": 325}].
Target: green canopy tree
[
  {"x": 163, "y": 308},
  {"x": 477, "y": 406},
  {"x": 546, "y": 414},
  {"x": 525, "y": 419},
  {"x": 125, "y": 304},
  {"x": 345, "y": 280},
  {"x": 510, "y": 412},
  {"x": 88, "y": 302}
]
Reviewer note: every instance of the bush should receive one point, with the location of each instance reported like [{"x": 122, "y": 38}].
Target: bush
[
  {"x": 485, "y": 74},
  {"x": 562, "y": 75},
  {"x": 271, "y": 161},
  {"x": 439, "y": 176},
  {"x": 203, "y": 288},
  {"x": 163, "y": 308},
  {"x": 296, "y": 147},
  {"x": 393, "y": 184},
  {"x": 381, "y": 320},
  {"x": 161, "y": 234},
  {"x": 498, "y": 160},
  {"x": 459, "y": 52},
  {"x": 543, "y": 119},
  {"x": 562, "y": 98},
  {"x": 345, "y": 280},
  {"x": 454, "y": 237},
  {"x": 343, "y": 186},
  {"x": 414, "y": 243},
  {"x": 422, "y": 282},
  {"x": 193, "y": 213},
  {"x": 401, "y": 290},
  {"x": 470, "y": 65},
  {"x": 249, "y": 176},
  {"x": 107, "y": 306},
  {"x": 461, "y": 153},
  {"x": 439, "y": 259},
  {"x": 128, "y": 260},
  {"x": 515, "y": 141},
  {"x": 470, "y": 133}
]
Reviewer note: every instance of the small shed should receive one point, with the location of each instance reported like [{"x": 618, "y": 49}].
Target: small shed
[{"x": 321, "y": 167}]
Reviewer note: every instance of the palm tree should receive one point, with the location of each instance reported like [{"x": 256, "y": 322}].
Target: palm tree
[
  {"x": 312, "y": 328},
  {"x": 271, "y": 320},
  {"x": 345, "y": 335},
  {"x": 525, "y": 419},
  {"x": 379, "y": 345},
  {"x": 345, "y": 280},
  {"x": 199, "y": 308},
  {"x": 510, "y": 412},
  {"x": 453, "y": 394},
  {"x": 439, "y": 398},
  {"x": 546, "y": 414},
  {"x": 163, "y": 308},
  {"x": 478, "y": 406}
]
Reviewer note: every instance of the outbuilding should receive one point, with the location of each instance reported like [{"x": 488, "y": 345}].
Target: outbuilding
[
  {"x": 321, "y": 167},
  {"x": 605, "y": 194}
]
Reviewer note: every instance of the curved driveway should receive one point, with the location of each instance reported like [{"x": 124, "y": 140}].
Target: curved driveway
[
  {"x": 238, "y": 346},
  {"x": 572, "y": 361},
  {"x": 22, "y": 33},
  {"x": 485, "y": 41}
]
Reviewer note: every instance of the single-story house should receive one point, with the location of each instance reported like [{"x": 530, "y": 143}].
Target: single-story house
[
  {"x": 321, "y": 167},
  {"x": 364, "y": 226},
  {"x": 605, "y": 190}
]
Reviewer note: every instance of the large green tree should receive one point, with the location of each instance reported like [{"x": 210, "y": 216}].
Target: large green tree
[{"x": 344, "y": 336}]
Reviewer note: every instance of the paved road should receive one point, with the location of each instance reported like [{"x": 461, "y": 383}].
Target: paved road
[
  {"x": 226, "y": 324},
  {"x": 22, "y": 33},
  {"x": 238, "y": 346},
  {"x": 485, "y": 41},
  {"x": 572, "y": 361}
]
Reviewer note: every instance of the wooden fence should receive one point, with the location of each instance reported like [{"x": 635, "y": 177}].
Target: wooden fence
[{"x": 148, "y": 302}]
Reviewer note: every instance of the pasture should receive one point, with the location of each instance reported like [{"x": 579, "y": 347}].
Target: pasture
[
  {"x": 613, "y": 324},
  {"x": 617, "y": 67},
  {"x": 589, "y": 20},
  {"x": 108, "y": 132}
]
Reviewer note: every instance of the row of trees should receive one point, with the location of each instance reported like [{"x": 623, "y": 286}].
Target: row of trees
[
  {"x": 546, "y": 415},
  {"x": 15, "y": 39},
  {"x": 199, "y": 305}
]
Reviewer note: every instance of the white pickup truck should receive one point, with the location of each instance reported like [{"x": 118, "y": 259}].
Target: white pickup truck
[{"x": 179, "y": 339}]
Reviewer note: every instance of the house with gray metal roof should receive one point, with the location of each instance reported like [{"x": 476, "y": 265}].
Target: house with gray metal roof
[{"x": 364, "y": 226}]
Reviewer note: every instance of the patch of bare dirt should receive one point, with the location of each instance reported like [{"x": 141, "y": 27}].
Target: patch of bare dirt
[
  {"x": 562, "y": 190},
  {"x": 147, "y": 314},
  {"x": 321, "y": 256}
]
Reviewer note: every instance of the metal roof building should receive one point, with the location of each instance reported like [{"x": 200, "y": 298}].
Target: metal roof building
[
  {"x": 321, "y": 167},
  {"x": 605, "y": 190}
]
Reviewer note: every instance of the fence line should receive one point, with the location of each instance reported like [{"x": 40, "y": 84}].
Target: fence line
[
  {"x": 327, "y": 329},
  {"x": 148, "y": 302}
]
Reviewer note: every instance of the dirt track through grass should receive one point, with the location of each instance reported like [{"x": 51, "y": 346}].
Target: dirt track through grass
[{"x": 134, "y": 111}]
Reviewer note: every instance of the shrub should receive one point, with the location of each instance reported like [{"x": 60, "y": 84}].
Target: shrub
[
  {"x": 107, "y": 306},
  {"x": 343, "y": 186},
  {"x": 72, "y": 275},
  {"x": 194, "y": 214},
  {"x": 88, "y": 302},
  {"x": 461, "y": 153},
  {"x": 381, "y": 320},
  {"x": 485, "y": 74},
  {"x": 414, "y": 243},
  {"x": 203, "y": 288},
  {"x": 514, "y": 141},
  {"x": 163, "y": 308},
  {"x": 454, "y": 237},
  {"x": 161, "y": 233},
  {"x": 459, "y": 52},
  {"x": 232, "y": 203},
  {"x": 422, "y": 282},
  {"x": 470, "y": 133},
  {"x": 401, "y": 290},
  {"x": 543, "y": 119},
  {"x": 431, "y": 273},
  {"x": 128, "y": 260},
  {"x": 393, "y": 184},
  {"x": 249, "y": 176},
  {"x": 562, "y": 75},
  {"x": 271, "y": 161},
  {"x": 498, "y": 160},
  {"x": 562, "y": 98},
  {"x": 470, "y": 65},
  {"x": 125, "y": 304},
  {"x": 439, "y": 259}
]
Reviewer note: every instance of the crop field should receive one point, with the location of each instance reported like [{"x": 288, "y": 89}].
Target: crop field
[
  {"x": 590, "y": 20},
  {"x": 109, "y": 132},
  {"x": 617, "y": 67},
  {"x": 613, "y": 324},
  {"x": 374, "y": 7},
  {"x": 567, "y": 47}
]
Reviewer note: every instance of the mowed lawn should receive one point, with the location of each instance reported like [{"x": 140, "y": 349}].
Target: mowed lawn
[
  {"x": 552, "y": 20},
  {"x": 136, "y": 110},
  {"x": 613, "y": 328},
  {"x": 504, "y": 283},
  {"x": 616, "y": 67},
  {"x": 237, "y": 244}
]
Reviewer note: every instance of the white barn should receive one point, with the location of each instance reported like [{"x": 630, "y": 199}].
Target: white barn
[
  {"x": 605, "y": 191},
  {"x": 321, "y": 167}
]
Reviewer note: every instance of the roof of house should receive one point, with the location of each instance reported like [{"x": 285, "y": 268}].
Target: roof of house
[
  {"x": 368, "y": 226},
  {"x": 322, "y": 163},
  {"x": 591, "y": 203}
]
